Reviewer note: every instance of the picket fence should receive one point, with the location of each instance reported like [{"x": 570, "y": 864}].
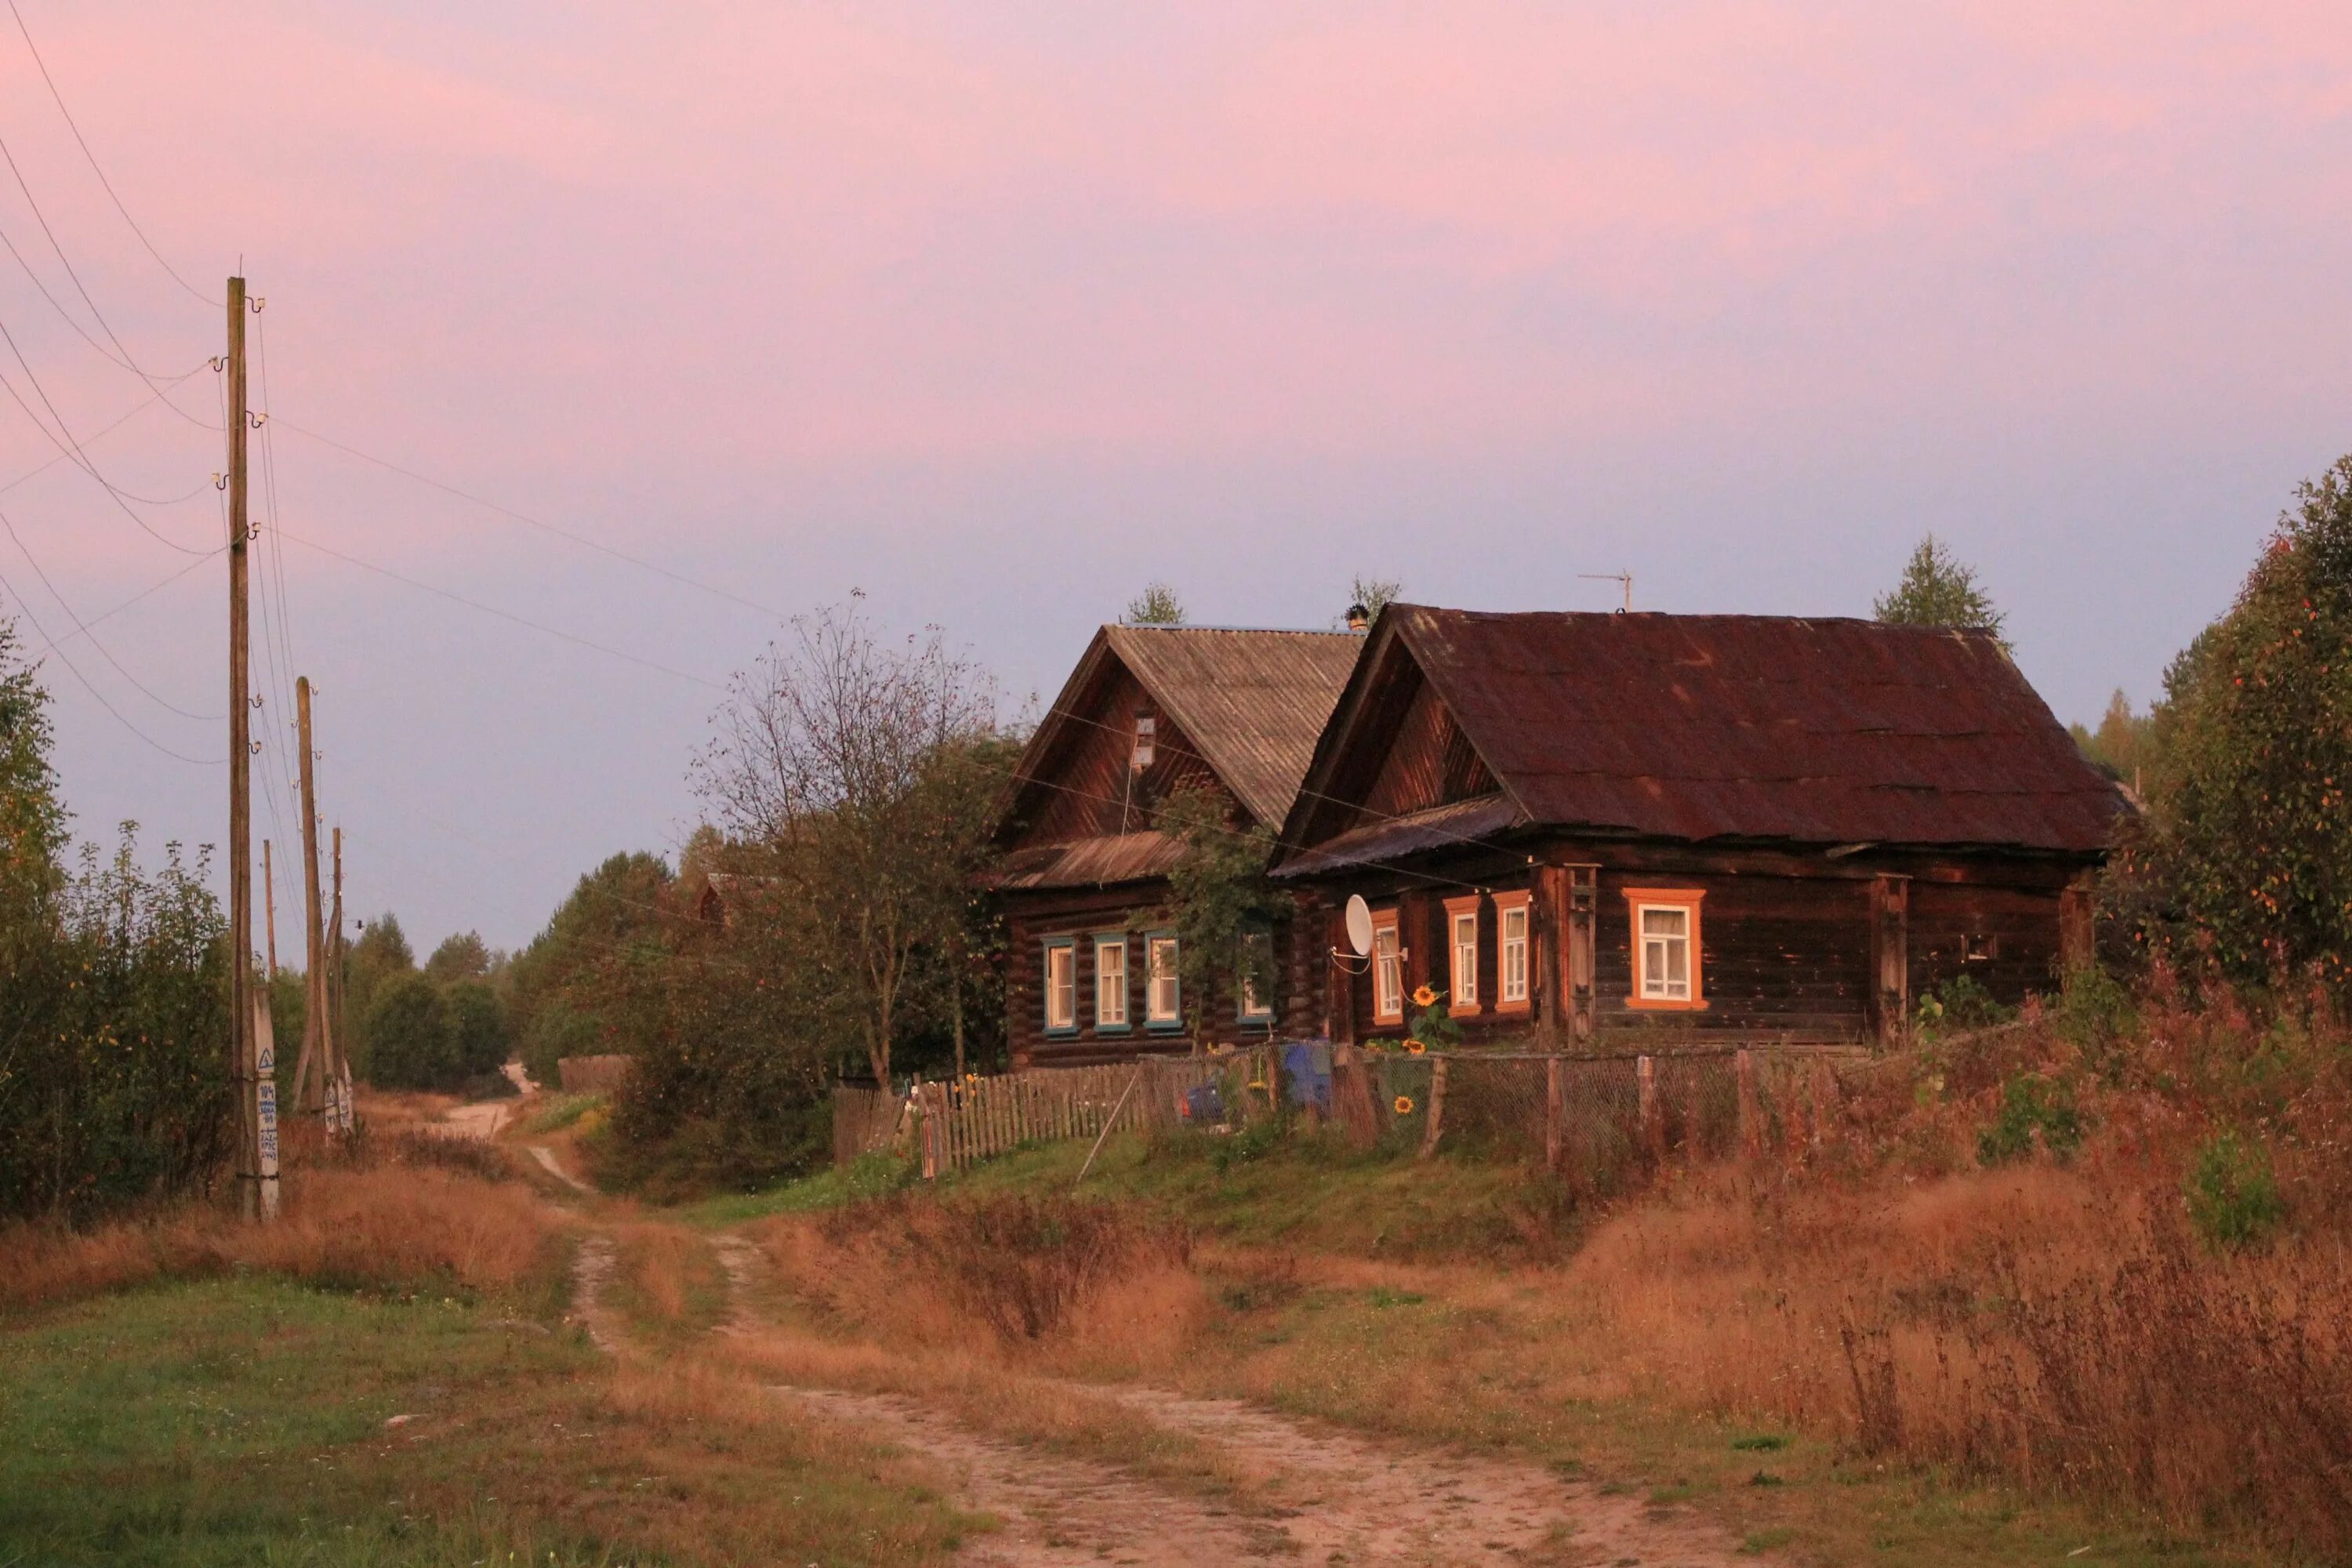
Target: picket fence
[{"x": 951, "y": 1125}]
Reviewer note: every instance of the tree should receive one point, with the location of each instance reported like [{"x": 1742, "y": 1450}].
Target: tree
[
  {"x": 861, "y": 775},
  {"x": 2254, "y": 757},
  {"x": 570, "y": 993},
  {"x": 1374, "y": 594},
  {"x": 1219, "y": 901},
  {"x": 1157, "y": 605},
  {"x": 380, "y": 954},
  {"x": 409, "y": 1042},
  {"x": 1937, "y": 589},
  {"x": 2120, "y": 746},
  {"x": 459, "y": 957},
  {"x": 477, "y": 1027}
]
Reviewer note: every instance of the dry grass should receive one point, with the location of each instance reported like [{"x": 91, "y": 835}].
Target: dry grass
[{"x": 390, "y": 1226}]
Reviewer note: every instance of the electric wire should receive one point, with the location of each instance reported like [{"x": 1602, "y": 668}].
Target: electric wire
[
  {"x": 81, "y": 628},
  {"x": 104, "y": 615},
  {"x": 457, "y": 598},
  {"x": 101, "y": 433},
  {"x": 526, "y": 518},
  {"x": 66, "y": 659},
  {"x": 83, "y": 143},
  {"x": 74, "y": 448}
]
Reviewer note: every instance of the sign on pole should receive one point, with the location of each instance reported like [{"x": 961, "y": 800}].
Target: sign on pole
[{"x": 265, "y": 1069}]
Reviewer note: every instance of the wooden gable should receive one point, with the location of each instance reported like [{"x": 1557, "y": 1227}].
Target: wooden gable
[
  {"x": 1084, "y": 785},
  {"x": 1399, "y": 751}
]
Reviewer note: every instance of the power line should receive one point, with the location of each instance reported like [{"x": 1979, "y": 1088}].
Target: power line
[
  {"x": 53, "y": 646},
  {"x": 82, "y": 628},
  {"x": 502, "y": 614},
  {"x": 524, "y": 518},
  {"x": 101, "y": 433},
  {"x": 104, "y": 615},
  {"x": 107, "y": 185}
]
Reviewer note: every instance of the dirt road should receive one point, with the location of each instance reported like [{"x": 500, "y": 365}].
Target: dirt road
[{"x": 1328, "y": 1497}]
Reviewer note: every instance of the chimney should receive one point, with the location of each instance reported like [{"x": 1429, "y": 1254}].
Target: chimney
[{"x": 1359, "y": 618}]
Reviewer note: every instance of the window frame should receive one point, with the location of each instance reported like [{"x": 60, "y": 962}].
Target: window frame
[
  {"x": 1114, "y": 942},
  {"x": 1152, "y": 1022},
  {"x": 1384, "y": 923},
  {"x": 1246, "y": 1009},
  {"x": 1067, "y": 944},
  {"x": 1687, "y": 900},
  {"x": 1521, "y": 903},
  {"x": 1458, "y": 910}
]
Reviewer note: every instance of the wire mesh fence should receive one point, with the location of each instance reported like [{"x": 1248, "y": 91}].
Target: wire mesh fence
[{"x": 1604, "y": 1123}]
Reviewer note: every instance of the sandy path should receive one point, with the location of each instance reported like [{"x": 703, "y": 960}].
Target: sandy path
[
  {"x": 1346, "y": 1499},
  {"x": 546, "y": 1157}
]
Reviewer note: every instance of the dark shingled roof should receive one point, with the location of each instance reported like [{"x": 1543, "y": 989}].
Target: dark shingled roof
[
  {"x": 1252, "y": 703},
  {"x": 1754, "y": 727}
]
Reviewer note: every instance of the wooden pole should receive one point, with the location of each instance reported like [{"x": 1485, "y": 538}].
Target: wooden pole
[
  {"x": 242, "y": 1043},
  {"x": 1555, "y": 1112},
  {"x": 1752, "y": 1111},
  {"x": 1436, "y": 1110},
  {"x": 337, "y": 1067},
  {"x": 314, "y": 1011},
  {"x": 269, "y": 909},
  {"x": 1109, "y": 1123},
  {"x": 1653, "y": 1121}
]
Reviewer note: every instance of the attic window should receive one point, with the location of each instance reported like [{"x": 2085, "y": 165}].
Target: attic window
[{"x": 1147, "y": 730}]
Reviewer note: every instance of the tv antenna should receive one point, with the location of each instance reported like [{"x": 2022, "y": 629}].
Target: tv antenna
[{"x": 1624, "y": 577}]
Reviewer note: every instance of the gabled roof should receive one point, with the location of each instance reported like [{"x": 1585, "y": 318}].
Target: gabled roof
[
  {"x": 1823, "y": 731},
  {"x": 1251, "y": 702}
]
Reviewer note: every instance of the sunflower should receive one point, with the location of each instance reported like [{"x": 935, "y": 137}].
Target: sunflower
[
  {"x": 1414, "y": 1047},
  {"x": 1405, "y": 1105},
  {"x": 1422, "y": 996}
]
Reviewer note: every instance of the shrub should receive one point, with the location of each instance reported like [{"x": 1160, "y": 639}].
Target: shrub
[
  {"x": 2034, "y": 1111},
  {"x": 2233, "y": 1198},
  {"x": 1960, "y": 1003},
  {"x": 409, "y": 1042}
]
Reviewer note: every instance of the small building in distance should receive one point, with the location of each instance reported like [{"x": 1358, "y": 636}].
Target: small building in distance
[
  {"x": 1639, "y": 828},
  {"x": 1149, "y": 711}
]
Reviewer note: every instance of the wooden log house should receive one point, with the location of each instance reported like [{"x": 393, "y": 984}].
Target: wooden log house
[
  {"x": 1083, "y": 862},
  {"x": 1632, "y": 830}
]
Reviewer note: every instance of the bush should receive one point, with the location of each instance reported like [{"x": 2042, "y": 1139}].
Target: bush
[
  {"x": 2233, "y": 1198},
  {"x": 2034, "y": 1111},
  {"x": 1961, "y": 1003},
  {"x": 409, "y": 1041}
]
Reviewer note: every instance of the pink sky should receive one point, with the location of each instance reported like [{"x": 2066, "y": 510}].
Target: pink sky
[{"x": 998, "y": 310}]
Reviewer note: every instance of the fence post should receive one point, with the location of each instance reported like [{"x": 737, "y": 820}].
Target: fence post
[
  {"x": 1555, "y": 1112},
  {"x": 1653, "y": 1121},
  {"x": 1751, "y": 1116},
  {"x": 1825, "y": 1096},
  {"x": 1436, "y": 1109}
]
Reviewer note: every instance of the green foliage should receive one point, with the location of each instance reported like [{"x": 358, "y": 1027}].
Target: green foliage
[
  {"x": 477, "y": 1027},
  {"x": 2254, "y": 757},
  {"x": 2035, "y": 1112},
  {"x": 563, "y": 996},
  {"x": 1221, "y": 903},
  {"x": 1374, "y": 594},
  {"x": 2123, "y": 744},
  {"x": 409, "y": 1041},
  {"x": 380, "y": 955},
  {"x": 2233, "y": 1198},
  {"x": 1939, "y": 590},
  {"x": 1959, "y": 1004},
  {"x": 1157, "y": 605},
  {"x": 464, "y": 956},
  {"x": 113, "y": 999}
]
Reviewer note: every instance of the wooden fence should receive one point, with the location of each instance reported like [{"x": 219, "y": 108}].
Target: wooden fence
[{"x": 953, "y": 1124}]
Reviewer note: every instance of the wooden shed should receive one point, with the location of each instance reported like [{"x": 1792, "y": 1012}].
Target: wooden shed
[
  {"x": 1641, "y": 826},
  {"x": 1084, "y": 864}
]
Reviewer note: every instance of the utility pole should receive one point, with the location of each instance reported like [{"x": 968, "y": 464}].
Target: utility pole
[
  {"x": 269, "y": 911},
  {"x": 245, "y": 1061},
  {"x": 336, "y": 1037},
  {"x": 315, "y": 1095}
]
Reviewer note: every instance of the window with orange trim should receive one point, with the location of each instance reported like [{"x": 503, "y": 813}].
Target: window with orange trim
[
  {"x": 1514, "y": 953},
  {"x": 1461, "y": 955},
  {"x": 1666, "y": 947}
]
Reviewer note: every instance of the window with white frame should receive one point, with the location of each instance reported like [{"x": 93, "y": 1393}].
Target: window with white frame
[
  {"x": 1462, "y": 953},
  {"x": 1666, "y": 947},
  {"x": 1110, "y": 981},
  {"x": 1388, "y": 971},
  {"x": 1162, "y": 995},
  {"x": 1257, "y": 956},
  {"x": 1511, "y": 949},
  {"x": 1061, "y": 984}
]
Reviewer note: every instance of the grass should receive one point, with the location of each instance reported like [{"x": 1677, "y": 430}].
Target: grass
[
  {"x": 243, "y": 1421},
  {"x": 562, "y": 1111}
]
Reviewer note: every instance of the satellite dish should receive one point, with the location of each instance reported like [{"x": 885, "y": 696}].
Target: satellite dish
[{"x": 1359, "y": 925}]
